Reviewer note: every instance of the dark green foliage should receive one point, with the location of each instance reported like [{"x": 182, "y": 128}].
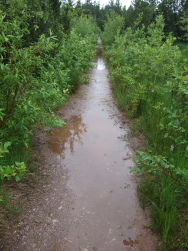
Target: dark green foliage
[{"x": 142, "y": 8}]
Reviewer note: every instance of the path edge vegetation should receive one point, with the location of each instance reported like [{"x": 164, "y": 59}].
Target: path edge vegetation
[
  {"x": 46, "y": 48},
  {"x": 149, "y": 75},
  {"x": 46, "y": 51}
]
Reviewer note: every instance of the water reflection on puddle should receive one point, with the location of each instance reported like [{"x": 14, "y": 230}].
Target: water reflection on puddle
[
  {"x": 65, "y": 137},
  {"x": 100, "y": 64}
]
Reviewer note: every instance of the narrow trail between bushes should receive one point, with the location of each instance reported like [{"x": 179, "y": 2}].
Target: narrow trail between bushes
[{"x": 87, "y": 200}]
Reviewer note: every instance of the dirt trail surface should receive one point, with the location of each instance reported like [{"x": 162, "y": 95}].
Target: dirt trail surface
[{"x": 88, "y": 200}]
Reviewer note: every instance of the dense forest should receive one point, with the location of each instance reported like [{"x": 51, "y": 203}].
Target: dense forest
[{"x": 47, "y": 48}]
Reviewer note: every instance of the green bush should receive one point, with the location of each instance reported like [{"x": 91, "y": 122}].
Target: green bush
[
  {"x": 112, "y": 27},
  {"x": 150, "y": 81},
  {"x": 37, "y": 75}
]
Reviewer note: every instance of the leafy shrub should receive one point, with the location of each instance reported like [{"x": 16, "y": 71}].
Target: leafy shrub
[
  {"x": 112, "y": 27},
  {"x": 150, "y": 80},
  {"x": 17, "y": 170},
  {"x": 37, "y": 74}
]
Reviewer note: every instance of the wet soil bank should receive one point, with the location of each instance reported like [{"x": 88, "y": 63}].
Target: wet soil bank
[{"x": 85, "y": 198}]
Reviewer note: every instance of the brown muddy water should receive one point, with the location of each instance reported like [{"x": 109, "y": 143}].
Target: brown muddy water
[
  {"x": 95, "y": 149},
  {"x": 90, "y": 199}
]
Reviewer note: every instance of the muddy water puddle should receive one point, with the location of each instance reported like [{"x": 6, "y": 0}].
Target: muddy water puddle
[{"x": 93, "y": 146}]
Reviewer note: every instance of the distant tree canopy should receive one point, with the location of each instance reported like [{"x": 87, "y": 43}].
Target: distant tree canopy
[
  {"x": 51, "y": 14},
  {"x": 173, "y": 11}
]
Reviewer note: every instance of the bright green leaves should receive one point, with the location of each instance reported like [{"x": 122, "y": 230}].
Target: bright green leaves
[
  {"x": 37, "y": 73},
  {"x": 77, "y": 53},
  {"x": 112, "y": 27},
  {"x": 157, "y": 164},
  {"x": 17, "y": 171},
  {"x": 156, "y": 32},
  {"x": 85, "y": 27},
  {"x": 147, "y": 59},
  {"x": 20, "y": 89},
  {"x": 9, "y": 171}
]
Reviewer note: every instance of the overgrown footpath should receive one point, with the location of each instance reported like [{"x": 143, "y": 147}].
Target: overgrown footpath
[
  {"x": 150, "y": 77},
  {"x": 45, "y": 52}
]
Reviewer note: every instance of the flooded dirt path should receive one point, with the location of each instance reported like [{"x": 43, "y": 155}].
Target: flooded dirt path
[
  {"x": 95, "y": 149},
  {"x": 90, "y": 200}
]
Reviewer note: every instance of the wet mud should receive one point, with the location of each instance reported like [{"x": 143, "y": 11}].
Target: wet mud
[{"x": 89, "y": 201}]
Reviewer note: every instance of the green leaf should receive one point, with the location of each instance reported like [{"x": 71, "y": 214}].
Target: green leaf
[
  {"x": 18, "y": 179},
  {"x": 187, "y": 149},
  {"x": 7, "y": 144},
  {"x": 166, "y": 135}
]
